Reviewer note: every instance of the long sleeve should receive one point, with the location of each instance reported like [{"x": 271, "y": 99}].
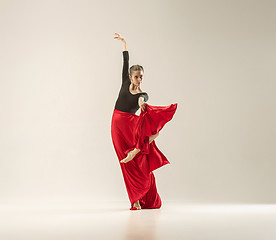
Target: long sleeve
[{"x": 125, "y": 72}]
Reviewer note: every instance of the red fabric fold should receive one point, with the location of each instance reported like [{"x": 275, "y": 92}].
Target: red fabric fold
[{"x": 150, "y": 122}]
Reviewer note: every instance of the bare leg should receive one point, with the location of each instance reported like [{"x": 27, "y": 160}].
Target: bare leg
[
  {"x": 152, "y": 137},
  {"x": 132, "y": 154}
]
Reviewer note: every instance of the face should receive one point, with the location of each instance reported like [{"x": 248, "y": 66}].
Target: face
[{"x": 137, "y": 77}]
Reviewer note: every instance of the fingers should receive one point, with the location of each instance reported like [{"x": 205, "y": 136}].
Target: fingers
[
  {"x": 144, "y": 107},
  {"x": 119, "y": 37}
]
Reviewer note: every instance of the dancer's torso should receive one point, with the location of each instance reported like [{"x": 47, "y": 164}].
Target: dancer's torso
[{"x": 126, "y": 101}]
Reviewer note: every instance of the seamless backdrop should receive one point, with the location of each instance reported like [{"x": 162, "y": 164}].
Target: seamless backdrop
[{"x": 61, "y": 74}]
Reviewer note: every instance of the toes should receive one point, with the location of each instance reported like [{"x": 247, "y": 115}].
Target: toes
[{"x": 125, "y": 160}]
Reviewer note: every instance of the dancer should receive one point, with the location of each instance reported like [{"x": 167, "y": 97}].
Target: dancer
[{"x": 134, "y": 136}]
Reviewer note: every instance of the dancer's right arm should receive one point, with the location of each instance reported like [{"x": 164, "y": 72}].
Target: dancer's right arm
[
  {"x": 124, "y": 45},
  {"x": 125, "y": 72}
]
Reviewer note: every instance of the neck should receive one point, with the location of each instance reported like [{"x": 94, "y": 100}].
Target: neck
[{"x": 134, "y": 87}]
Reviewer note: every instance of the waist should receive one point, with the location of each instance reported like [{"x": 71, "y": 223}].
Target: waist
[{"x": 116, "y": 111}]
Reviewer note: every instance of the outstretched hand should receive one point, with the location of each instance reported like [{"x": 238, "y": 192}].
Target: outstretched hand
[{"x": 119, "y": 37}]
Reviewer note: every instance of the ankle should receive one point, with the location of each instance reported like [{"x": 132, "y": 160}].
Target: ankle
[{"x": 136, "y": 204}]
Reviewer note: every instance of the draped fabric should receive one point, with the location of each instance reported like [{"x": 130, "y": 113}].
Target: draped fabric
[{"x": 129, "y": 131}]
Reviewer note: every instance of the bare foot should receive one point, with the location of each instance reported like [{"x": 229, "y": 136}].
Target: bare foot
[
  {"x": 137, "y": 205},
  {"x": 130, "y": 155}
]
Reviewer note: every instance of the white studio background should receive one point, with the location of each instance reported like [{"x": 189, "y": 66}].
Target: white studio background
[{"x": 61, "y": 74}]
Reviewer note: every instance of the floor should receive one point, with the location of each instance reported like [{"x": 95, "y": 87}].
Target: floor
[{"x": 114, "y": 220}]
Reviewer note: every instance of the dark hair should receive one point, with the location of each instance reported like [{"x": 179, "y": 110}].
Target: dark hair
[{"x": 136, "y": 68}]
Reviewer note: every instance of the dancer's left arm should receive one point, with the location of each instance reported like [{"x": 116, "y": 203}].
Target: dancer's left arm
[{"x": 142, "y": 103}]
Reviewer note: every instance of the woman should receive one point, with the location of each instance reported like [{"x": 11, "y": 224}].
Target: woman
[{"x": 133, "y": 136}]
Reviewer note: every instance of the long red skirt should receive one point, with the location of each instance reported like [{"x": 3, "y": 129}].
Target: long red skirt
[{"x": 129, "y": 131}]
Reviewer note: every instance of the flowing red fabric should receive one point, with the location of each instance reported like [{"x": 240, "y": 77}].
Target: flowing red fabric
[{"x": 129, "y": 131}]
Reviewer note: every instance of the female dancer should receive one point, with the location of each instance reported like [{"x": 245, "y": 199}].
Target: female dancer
[{"x": 133, "y": 136}]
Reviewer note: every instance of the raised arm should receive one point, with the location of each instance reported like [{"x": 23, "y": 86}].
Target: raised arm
[
  {"x": 124, "y": 45},
  {"x": 125, "y": 71}
]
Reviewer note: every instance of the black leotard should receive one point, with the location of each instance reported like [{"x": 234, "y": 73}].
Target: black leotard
[{"x": 126, "y": 101}]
